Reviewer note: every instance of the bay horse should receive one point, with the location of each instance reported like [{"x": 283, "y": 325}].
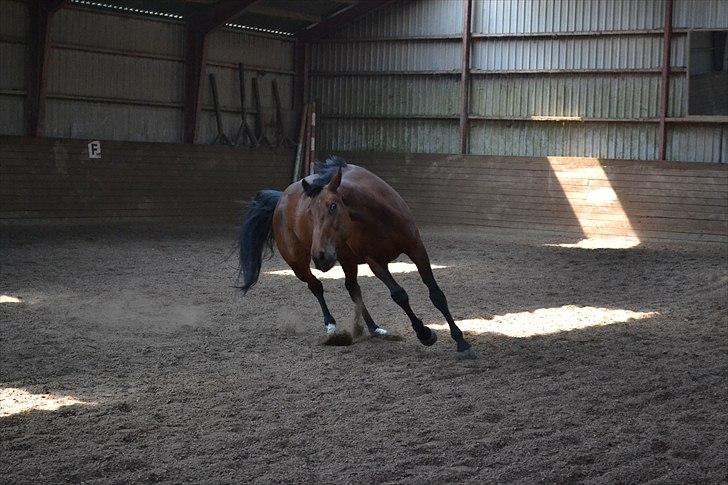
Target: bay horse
[{"x": 342, "y": 212}]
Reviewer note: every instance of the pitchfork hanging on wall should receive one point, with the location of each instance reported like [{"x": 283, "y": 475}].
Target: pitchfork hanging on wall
[
  {"x": 244, "y": 130},
  {"x": 221, "y": 136}
]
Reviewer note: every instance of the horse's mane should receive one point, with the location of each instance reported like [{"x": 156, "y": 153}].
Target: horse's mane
[{"x": 324, "y": 171}]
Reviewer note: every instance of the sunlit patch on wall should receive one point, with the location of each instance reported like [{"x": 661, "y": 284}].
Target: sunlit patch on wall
[
  {"x": 556, "y": 118},
  {"x": 595, "y": 205},
  {"x": 337, "y": 273},
  {"x": 10, "y": 299},
  {"x": 546, "y": 321},
  {"x": 14, "y": 401}
]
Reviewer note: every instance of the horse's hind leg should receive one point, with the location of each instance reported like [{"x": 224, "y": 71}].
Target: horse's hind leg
[
  {"x": 400, "y": 297},
  {"x": 352, "y": 286},
  {"x": 303, "y": 272},
  {"x": 422, "y": 261}
]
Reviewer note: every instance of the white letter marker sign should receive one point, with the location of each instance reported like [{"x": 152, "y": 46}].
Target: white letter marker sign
[{"x": 94, "y": 149}]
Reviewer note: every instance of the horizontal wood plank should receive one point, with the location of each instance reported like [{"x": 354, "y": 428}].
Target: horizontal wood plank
[{"x": 54, "y": 178}]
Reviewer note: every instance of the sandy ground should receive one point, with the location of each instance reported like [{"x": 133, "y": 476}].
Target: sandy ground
[{"x": 131, "y": 359}]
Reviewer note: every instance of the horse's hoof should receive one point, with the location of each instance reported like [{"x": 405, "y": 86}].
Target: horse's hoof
[
  {"x": 467, "y": 354},
  {"x": 382, "y": 334},
  {"x": 339, "y": 339},
  {"x": 427, "y": 342}
]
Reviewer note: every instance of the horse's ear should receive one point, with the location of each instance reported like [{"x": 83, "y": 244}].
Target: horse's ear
[
  {"x": 335, "y": 181},
  {"x": 306, "y": 185}
]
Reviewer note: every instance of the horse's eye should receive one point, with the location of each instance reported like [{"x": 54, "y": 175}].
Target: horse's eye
[{"x": 332, "y": 208}]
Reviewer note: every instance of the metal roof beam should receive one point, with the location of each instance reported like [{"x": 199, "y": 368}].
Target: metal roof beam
[
  {"x": 51, "y": 6},
  {"x": 218, "y": 15},
  {"x": 282, "y": 13},
  {"x": 342, "y": 17}
]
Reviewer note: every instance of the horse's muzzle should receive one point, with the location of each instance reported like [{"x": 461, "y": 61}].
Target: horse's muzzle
[{"x": 324, "y": 261}]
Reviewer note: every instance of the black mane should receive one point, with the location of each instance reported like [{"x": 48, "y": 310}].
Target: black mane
[{"x": 323, "y": 171}]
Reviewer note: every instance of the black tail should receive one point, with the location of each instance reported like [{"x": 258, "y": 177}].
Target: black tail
[{"x": 256, "y": 236}]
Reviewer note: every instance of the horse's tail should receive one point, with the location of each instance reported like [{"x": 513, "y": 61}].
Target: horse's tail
[{"x": 256, "y": 236}]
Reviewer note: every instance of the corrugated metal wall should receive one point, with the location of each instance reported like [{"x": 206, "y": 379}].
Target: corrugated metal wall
[
  {"x": 266, "y": 57},
  {"x": 550, "y": 16},
  {"x": 394, "y": 74},
  {"x": 411, "y": 19},
  {"x": 115, "y": 77},
  {"x": 13, "y": 31},
  {"x": 121, "y": 77},
  {"x": 697, "y": 142},
  {"x": 384, "y": 86}
]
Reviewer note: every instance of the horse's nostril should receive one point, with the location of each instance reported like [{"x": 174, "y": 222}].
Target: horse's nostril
[{"x": 320, "y": 256}]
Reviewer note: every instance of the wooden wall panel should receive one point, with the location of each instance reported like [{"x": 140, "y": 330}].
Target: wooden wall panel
[
  {"x": 573, "y": 197},
  {"x": 47, "y": 178}
]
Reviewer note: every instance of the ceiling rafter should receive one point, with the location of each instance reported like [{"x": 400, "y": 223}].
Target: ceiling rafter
[
  {"x": 284, "y": 13},
  {"x": 342, "y": 17},
  {"x": 208, "y": 19}
]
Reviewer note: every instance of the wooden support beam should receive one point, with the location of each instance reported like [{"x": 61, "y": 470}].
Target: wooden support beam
[
  {"x": 301, "y": 77},
  {"x": 221, "y": 13},
  {"x": 198, "y": 27},
  {"x": 299, "y": 67},
  {"x": 342, "y": 17},
  {"x": 41, "y": 17},
  {"x": 665, "y": 91},
  {"x": 465, "y": 77},
  {"x": 194, "y": 75}
]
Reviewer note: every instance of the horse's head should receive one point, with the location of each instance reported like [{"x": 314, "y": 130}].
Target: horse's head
[{"x": 329, "y": 220}]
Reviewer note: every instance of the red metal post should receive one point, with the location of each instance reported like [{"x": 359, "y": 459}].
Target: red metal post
[
  {"x": 42, "y": 12},
  {"x": 465, "y": 78},
  {"x": 312, "y": 141},
  {"x": 665, "y": 91},
  {"x": 299, "y": 164}
]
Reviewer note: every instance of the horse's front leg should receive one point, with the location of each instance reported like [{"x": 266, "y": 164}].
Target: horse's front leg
[
  {"x": 426, "y": 336},
  {"x": 303, "y": 272},
  {"x": 422, "y": 261},
  {"x": 352, "y": 286}
]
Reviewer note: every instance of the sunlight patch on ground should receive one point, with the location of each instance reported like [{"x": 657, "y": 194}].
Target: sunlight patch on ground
[
  {"x": 14, "y": 401},
  {"x": 595, "y": 205},
  {"x": 601, "y": 243},
  {"x": 337, "y": 273},
  {"x": 546, "y": 321},
  {"x": 10, "y": 299}
]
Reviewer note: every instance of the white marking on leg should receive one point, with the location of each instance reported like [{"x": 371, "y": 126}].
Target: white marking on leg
[
  {"x": 358, "y": 328},
  {"x": 380, "y": 332},
  {"x": 330, "y": 328}
]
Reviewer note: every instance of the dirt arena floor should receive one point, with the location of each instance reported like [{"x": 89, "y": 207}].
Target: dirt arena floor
[{"x": 130, "y": 358}]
